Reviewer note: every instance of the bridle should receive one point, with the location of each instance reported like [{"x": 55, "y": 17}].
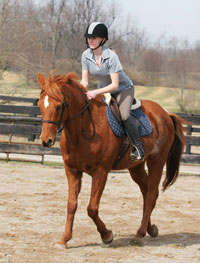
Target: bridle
[
  {"x": 81, "y": 112},
  {"x": 64, "y": 104}
]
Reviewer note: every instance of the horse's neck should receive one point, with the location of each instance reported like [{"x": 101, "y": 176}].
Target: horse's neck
[
  {"x": 77, "y": 99},
  {"x": 82, "y": 119}
]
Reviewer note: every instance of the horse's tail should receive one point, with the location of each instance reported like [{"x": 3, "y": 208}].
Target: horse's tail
[{"x": 175, "y": 153}]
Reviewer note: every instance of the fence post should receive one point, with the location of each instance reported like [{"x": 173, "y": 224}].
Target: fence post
[
  {"x": 188, "y": 146},
  {"x": 33, "y": 137}
]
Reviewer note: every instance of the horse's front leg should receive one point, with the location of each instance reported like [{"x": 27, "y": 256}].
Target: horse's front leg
[
  {"x": 74, "y": 187},
  {"x": 98, "y": 184}
]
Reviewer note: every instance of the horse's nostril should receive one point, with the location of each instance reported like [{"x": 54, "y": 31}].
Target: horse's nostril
[{"x": 49, "y": 142}]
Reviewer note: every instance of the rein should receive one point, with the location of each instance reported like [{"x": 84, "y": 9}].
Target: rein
[{"x": 86, "y": 106}]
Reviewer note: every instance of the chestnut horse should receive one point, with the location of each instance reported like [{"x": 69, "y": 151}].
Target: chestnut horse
[{"x": 88, "y": 145}]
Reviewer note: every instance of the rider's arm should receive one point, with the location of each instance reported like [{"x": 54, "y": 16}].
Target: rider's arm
[
  {"x": 85, "y": 78},
  {"x": 111, "y": 87},
  {"x": 108, "y": 89}
]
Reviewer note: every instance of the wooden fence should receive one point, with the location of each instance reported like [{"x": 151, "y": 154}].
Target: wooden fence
[
  {"x": 24, "y": 122},
  {"x": 192, "y": 138}
]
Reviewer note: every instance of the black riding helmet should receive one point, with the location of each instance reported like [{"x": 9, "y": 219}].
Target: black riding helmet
[{"x": 96, "y": 29}]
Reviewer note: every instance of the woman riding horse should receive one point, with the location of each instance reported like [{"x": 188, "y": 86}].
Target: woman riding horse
[{"x": 103, "y": 64}]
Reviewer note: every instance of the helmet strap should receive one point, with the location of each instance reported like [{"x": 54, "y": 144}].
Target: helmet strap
[{"x": 100, "y": 44}]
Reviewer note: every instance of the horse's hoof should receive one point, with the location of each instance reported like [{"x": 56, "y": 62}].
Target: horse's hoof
[
  {"x": 152, "y": 231},
  {"x": 61, "y": 245},
  {"x": 137, "y": 241},
  {"x": 109, "y": 239}
]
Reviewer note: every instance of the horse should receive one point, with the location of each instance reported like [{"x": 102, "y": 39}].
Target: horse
[{"x": 88, "y": 145}]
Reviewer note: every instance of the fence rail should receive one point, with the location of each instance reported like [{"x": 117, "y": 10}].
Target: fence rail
[{"x": 25, "y": 122}]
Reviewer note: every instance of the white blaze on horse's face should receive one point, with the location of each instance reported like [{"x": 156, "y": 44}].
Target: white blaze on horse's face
[{"x": 46, "y": 102}]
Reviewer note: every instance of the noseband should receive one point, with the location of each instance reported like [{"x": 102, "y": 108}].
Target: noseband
[{"x": 64, "y": 105}]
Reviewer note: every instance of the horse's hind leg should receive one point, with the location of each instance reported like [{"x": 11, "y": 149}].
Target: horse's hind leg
[{"x": 98, "y": 184}]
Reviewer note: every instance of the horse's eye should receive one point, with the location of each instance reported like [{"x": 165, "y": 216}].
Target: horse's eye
[{"x": 58, "y": 108}]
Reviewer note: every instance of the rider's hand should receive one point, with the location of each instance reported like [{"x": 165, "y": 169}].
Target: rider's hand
[{"x": 91, "y": 94}]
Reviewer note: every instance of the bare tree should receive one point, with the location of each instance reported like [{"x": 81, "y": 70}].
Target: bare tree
[
  {"x": 152, "y": 62},
  {"x": 5, "y": 10},
  {"x": 55, "y": 9}
]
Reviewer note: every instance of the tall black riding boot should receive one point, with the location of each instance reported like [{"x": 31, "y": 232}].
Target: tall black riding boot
[{"x": 133, "y": 134}]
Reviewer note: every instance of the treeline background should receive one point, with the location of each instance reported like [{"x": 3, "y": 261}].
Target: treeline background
[{"x": 38, "y": 36}]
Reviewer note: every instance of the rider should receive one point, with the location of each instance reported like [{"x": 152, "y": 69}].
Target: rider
[{"x": 104, "y": 65}]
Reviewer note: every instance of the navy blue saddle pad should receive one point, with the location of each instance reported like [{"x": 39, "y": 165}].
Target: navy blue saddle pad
[{"x": 145, "y": 127}]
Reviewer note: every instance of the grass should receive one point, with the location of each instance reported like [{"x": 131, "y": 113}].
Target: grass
[
  {"x": 168, "y": 97},
  {"x": 15, "y": 84}
]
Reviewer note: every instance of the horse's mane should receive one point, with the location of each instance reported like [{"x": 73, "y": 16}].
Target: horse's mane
[{"x": 57, "y": 85}]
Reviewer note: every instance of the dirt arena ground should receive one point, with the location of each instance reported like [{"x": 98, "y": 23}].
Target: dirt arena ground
[{"x": 33, "y": 208}]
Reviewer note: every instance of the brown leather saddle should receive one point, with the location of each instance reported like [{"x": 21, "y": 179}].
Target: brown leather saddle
[{"x": 115, "y": 109}]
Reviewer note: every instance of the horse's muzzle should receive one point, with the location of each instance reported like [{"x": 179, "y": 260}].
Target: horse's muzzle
[{"x": 48, "y": 143}]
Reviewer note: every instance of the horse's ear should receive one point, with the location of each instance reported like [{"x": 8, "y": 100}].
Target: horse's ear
[
  {"x": 50, "y": 74},
  {"x": 69, "y": 76},
  {"x": 41, "y": 78}
]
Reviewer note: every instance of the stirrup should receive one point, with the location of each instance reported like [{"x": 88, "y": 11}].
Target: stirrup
[{"x": 135, "y": 155}]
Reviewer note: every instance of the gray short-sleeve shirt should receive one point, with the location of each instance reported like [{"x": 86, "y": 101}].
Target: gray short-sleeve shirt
[{"x": 110, "y": 63}]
